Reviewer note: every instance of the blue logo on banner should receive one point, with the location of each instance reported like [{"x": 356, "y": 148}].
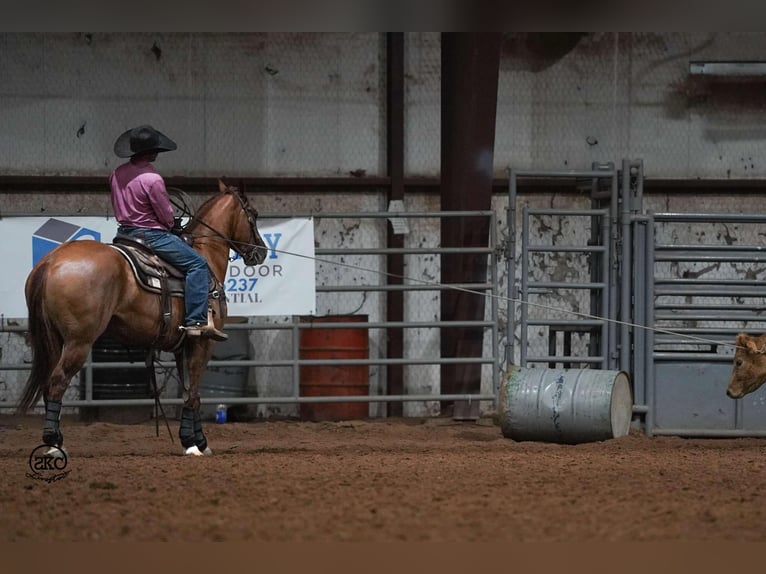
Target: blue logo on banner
[{"x": 53, "y": 233}]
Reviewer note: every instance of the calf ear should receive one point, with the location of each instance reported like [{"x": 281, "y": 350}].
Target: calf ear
[
  {"x": 747, "y": 342},
  {"x": 752, "y": 345}
]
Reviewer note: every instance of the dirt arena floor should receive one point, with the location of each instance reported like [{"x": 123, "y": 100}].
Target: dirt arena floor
[{"x": 381, "y": 480}]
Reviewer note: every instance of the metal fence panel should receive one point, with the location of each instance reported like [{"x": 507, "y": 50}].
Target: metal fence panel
[{"x": 350, "y": 252}]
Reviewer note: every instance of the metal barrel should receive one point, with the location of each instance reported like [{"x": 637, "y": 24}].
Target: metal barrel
[
  {"x": 330, "y": 380},
  {"x": 566, "y": 406}
]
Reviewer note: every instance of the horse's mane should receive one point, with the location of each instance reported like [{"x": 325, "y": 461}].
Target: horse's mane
[{"x": 206, "y": 207}]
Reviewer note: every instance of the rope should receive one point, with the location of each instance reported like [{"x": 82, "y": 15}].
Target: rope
[{"x": 503, "y": 298}]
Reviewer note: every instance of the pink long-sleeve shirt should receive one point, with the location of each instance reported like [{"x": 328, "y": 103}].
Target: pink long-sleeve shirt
[{"x": 139, "y": 197}]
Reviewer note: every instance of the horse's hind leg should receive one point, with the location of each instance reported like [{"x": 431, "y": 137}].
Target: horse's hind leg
[{"x": 73, "y": 356}]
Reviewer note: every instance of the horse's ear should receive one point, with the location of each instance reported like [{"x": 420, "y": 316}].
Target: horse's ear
[{"x": 222, "y": 186}]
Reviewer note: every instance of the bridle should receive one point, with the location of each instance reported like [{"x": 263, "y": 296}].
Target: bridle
[
  {"x": 256, "y": 252},
  {"x": 250, "y": 256}
]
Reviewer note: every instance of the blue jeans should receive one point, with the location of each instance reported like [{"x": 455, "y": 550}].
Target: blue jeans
[{"x": 172, "y": 249}]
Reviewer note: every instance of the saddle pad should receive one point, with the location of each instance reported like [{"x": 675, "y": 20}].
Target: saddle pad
[{"x": 149, "y": 269}]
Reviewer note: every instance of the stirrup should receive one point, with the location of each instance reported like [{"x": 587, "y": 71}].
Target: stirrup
[{"x": 208, "y": 331}]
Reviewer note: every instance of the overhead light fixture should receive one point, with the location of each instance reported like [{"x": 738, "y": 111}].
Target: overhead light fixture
[{"x": 730, "y": 69}]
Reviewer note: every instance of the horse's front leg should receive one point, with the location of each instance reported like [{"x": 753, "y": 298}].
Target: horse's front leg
[{"x": 191, "y": 363}]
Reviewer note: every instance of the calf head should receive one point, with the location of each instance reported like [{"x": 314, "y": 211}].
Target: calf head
[{"x": 749, "y": 371}]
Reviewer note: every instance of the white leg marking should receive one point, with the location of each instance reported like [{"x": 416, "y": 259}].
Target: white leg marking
[
  {"x": 55, "y": 452},
  {"x": 193, "y": 451}
]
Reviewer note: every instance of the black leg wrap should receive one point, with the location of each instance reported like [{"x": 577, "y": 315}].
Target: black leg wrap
[
  {"x": 186, "y": 431},
  {"x": 199, "y": 436},
  {"x": 51, "y": 431}
]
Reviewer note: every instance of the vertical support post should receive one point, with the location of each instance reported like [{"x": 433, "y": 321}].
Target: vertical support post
[
  {"x": 511, "y": 254},
  {"x": 524, "y": 294},
  {"x": 470, "y": 68},
  {"x": 395, "y": 262},
  {"x": 295, "y": 331},
  {"x": 494, "y": 280},
  {"x": 606, "y": 291},
  {"x": 639, "y": 288},
  {"x": 639, "y": 201},
  {"x": 626, "y": 269},
  {"x": 649, "y": 332},
  {"x": 612, "y": 275}
]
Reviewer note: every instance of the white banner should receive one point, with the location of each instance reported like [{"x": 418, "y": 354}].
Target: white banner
[{"x": 283, "y": 285}]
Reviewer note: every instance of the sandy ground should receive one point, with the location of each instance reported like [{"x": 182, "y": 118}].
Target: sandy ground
[{"x": 379, "y": 480}]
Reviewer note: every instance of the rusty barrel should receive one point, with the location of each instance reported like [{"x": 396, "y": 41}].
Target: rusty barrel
[
  {"x": 567, "y": 406},
  {"x": 334, "y": 380}
]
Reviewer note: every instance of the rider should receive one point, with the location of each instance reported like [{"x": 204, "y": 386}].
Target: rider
[{"x": 143, "y": 209}]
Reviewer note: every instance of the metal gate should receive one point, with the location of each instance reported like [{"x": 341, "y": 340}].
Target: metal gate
[
  {"x": 661, "y": 306},
  {"x": 701, "y": 293},
  {"x": 572, "y": 311}
]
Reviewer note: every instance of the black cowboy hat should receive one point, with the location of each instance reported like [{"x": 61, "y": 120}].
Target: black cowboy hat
[{"x": 142, "y": 139}]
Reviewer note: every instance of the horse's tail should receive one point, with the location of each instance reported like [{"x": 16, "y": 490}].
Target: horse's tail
[{"x": 44, "y": 339}]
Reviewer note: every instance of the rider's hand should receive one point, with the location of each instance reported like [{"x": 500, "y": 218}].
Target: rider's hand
[{"x": 178, "y": 227}]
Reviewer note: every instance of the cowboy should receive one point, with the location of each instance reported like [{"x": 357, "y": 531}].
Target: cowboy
[{"x": 143, "y": 209}]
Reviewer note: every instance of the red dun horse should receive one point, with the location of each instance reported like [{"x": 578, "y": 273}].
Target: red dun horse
[
  {"x": 83, "y": 289},
  {"x": 749, "y": 371}
]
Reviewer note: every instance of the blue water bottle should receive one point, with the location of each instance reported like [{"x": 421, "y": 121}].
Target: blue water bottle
[{"x": 220, "y": 414}]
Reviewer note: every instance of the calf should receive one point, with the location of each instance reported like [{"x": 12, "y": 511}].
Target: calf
[{"x": 749, "y": 366}]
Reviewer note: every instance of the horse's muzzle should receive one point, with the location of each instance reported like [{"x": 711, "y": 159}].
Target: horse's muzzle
[{"x": 255, "y": 256}]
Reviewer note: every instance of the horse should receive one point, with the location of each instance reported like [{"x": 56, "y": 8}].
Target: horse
[{"x": 84, "y": 289}]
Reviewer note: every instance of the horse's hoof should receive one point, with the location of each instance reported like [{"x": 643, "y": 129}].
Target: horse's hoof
[
  {"x": 56, "y": 452},
  {"x": 195, "y": 451}
]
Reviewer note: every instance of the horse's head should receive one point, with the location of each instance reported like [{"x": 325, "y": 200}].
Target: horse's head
[
  {"x": 749, "y": 371},
  {"x": 245, "y": 237}
]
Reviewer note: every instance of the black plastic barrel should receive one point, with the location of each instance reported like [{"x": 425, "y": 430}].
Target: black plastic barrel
[{"x": 120, "y": 382}]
